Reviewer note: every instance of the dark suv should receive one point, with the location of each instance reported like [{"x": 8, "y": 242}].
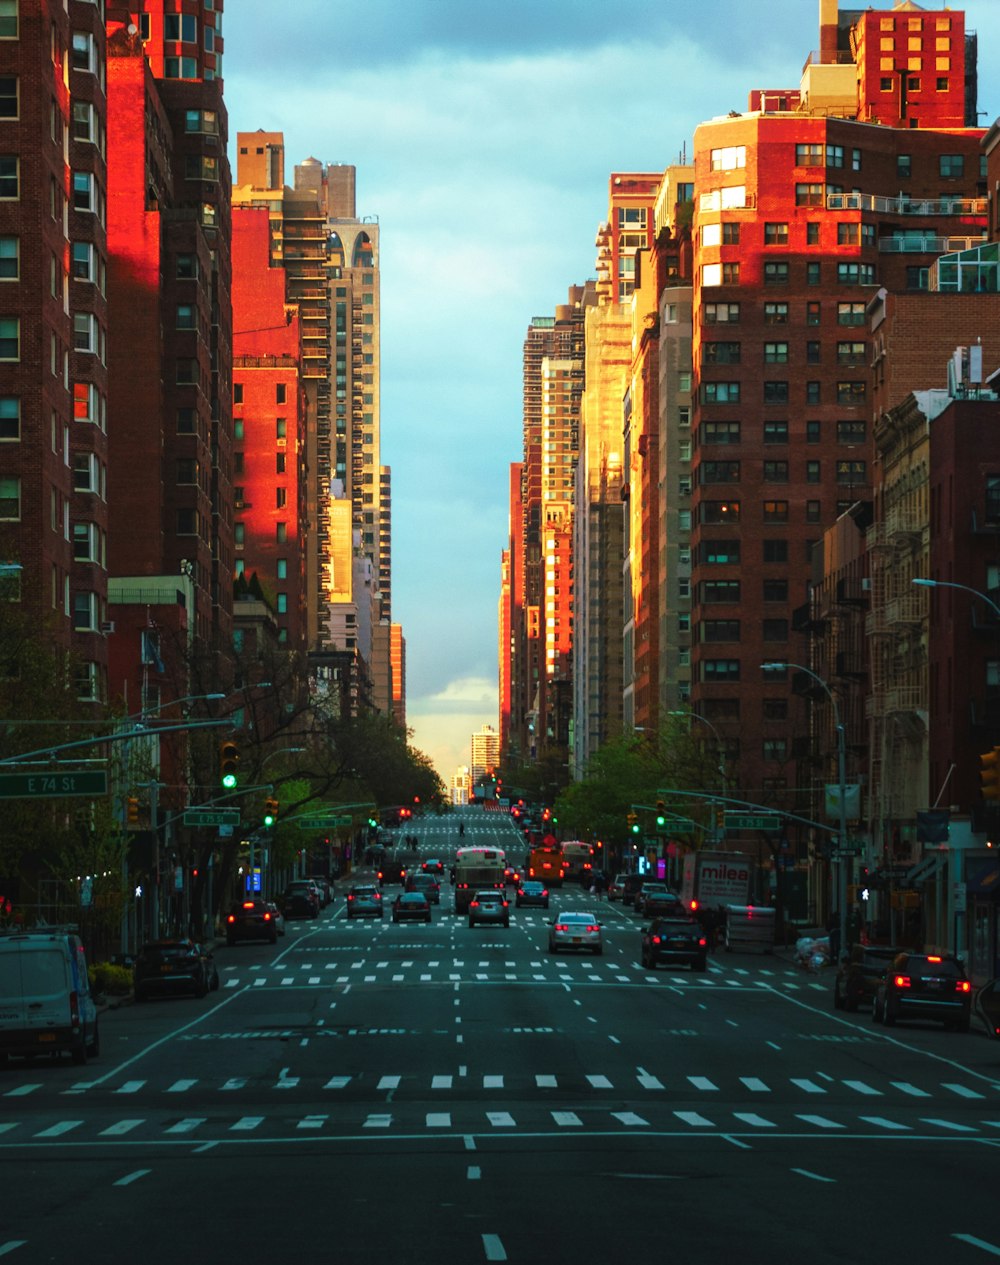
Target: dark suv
[
  {"x": 924, "y": 986},
  {"x": 858, "y": 975},
  {"x": 251, "y": 920},
  {"x": 675, "y": 941}
]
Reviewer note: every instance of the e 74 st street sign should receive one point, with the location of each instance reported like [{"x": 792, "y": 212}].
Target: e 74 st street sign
[{"x": 52, "y": 785}]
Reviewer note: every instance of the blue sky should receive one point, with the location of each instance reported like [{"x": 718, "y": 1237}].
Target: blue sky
[{"x": 483, "y": 134}]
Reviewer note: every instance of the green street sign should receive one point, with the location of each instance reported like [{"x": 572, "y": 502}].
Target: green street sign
[
  {"x": 212, "y": 817},
  {"x": 323, "y": 823},
  {"x": 52, "y": 785},
  {"x": 839, "y": 854},
  {"x": 753, "y": 821}
]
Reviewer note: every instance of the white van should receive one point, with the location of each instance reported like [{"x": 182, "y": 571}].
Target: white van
[{"x": 45, "y": 1002}]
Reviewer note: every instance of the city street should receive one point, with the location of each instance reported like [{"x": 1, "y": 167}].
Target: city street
[{"x": 435, "y": 1093}]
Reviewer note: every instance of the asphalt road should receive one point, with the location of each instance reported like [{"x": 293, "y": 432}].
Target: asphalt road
[{"x": 364, "y": 1091}]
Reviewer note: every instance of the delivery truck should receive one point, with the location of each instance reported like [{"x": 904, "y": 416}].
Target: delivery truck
[{"x": 714, "y": 880}]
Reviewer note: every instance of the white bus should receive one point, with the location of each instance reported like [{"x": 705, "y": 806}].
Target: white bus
[
  {"x": 476, "y": 870},
  {"x": 578, "y": 861}
]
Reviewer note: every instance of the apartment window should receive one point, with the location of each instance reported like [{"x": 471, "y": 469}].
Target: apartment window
[
  {"x": 10, "y": 338},
  {"x": 279, "y": 463},
  {"x": 775, "y": 590},
  {"x": 814, "y": 272},
  {"x": 720, "y": 392},
  {"x": 180, "y": 67},
  {"x": 684, "y": 381},
  {"x": 774, "y": 709},
  {"x": 775, "y": 551},
  {"x": 237, "y": 392},
  {"x": 774, "y": 748},
  {"x": 853, "y": 274},
  {"x": 730, "y": 274},
  {"x": 776, "y": 272},
  {"x": 711, "y": 235},
  {"x": 775, "y": 432},
  {"x": 84, "y": 52},
  {"x": 84, "y": 261},
  {"x": 775, "y": 234},
  {"x": 187, "y": 372},
  {"x": 868, "y": 236},
  {"x": 8, "y": 97},
  {"x": 281, "y": 568},
  {"x": 720, "y": 630},
  {"x": 86, "y": 473},
  {"x": 812, "y": 233},
  {"x": 186, "y": 267},
  {"x": 720, "y": 472},
  {"x": 10, "y": 498},
  {"x": 187, "y": 470},
  {"x": 852, "y": 353},
  {"x": 187, "y": 522},
  {"x": 775, "y": 392},
  {"x": 86, "y": 542},
  {"x": 719, "y": 432},
  {"x": 281, "y": 533},
  {"x": 809, "y": 155},
  {"x": 775, "y": 313},
  {"x": 280, "y": 427},
  {"x": 186, "y": 317},
  {"x": 850, "y": 314},
  {"x": 10, "y": 258},
  {"x": 180, "y": 28},
  {"x": 239, "y": 462},
  {"x": 10, "y": 418},
  {"x": 775, "y": 511},
  {"x": 720, "y": 670},
  {"x": 720, "y": 511},
  {"x": 731, "y": 233},
  {"x": 916, "y": 278},
  {"x": 84, "y": 191},
  {"x": 848, "y": 233},
  {"x": 721, "y": 313},
  {"x": 84, "y": 122},
  {"x": 904, "y": 165},
  {"x": 239, "y": 535},
  {"x": 86, "y": 402},
  {"x": 814, "y": 352},
  {"x": 720, "y": 591},
  {"x": 186, "y": 421},
  {"x": 813, "y": 313},
  {"x": 632, "y": 217},
  {"x": 813, "y": 391},
  {"x": 951, "y": 166},
  {"x": 808, "y": 195},
  {"x": 279, "y": 393},
  {"x": 835, "y": 155},
  {"x": 721, "y": 353},
  {"x": 812, "y": 432},
  {"x": 851, "y": 432},
  {"x": 201, "y": 167},
  {"x": 280, "y": 498},
  {"x": 852, "y": 393},
  {"x": 720, "y": 552},
  {"x": 729, "y": 158},
  {"x": 683, "y": 415},
  {"x": 812, "y": 511},
  {"x": 10, "y": 176},
  {"x": 855, "y": 159},
  {"x": 775, "y": 471},
  {"x": 852, "y": 471},
  {"x": 775, "y": 353},
  {"x": 8, "y": 19},
  {"x": 84, "y": 612}
]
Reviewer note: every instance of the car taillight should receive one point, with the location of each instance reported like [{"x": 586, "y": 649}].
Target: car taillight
[
  {"x": 520, "y": 891},
  {"x": 931, "y": 958},
  {"x": 656, "y": 939},
  {"x": 267, "y": 917},
  {"x": 562, "y": 926},
  {"x": 248, "y": 904},
  {"x": 350, "y": 896},
  {"x": 593, "y": 927},
  {"x": 962, "y": 986},
  {"x": 693, "y": 905},
  {"x": 473, "y": 904},
  {"x": 702, "y": 942},
  {"x": 545, "y": 892},
  {"x": 901, "y": 981},
  {"x": 231, "y": 918},
  {"x": 506, "y": 903},
  {"x": 380, "y": 874}
]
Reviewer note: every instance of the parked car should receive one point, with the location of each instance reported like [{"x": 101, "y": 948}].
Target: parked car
[
  {"x": 173, "y": 966},
  {"x": 250, "y": 920},
  {"x": 579, "y": 931},
  {"x": 675, "y": 941},
  {"x": 277, "y": 916},
  {"x": 665, "y": 903},
  {"x": 924, "y": 986},
  {"x": 364, "y": 901},
  {"x": 46, "y": 1006},
  {"x": 489, "y": 906},
  {"x": 426, "y": 883},
  {"x": 301, "y": 899},
  {"x": 858, "y": 974},
  {"x": 411, "y": 907},
  {"x": 531, "y": 892}
]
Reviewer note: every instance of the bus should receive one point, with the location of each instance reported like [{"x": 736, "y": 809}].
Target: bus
[
  {"x": 546, "y": 863},
  {"x": 578, "y": 861},
  {"x": 477, "y": 869}
]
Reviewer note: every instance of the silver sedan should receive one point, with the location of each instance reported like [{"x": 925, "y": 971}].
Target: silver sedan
[{"x": 579, "y": 931}]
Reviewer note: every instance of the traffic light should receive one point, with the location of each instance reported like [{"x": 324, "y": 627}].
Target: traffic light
[
  {"x": 132, "y": 810},
  {"x": 270, "y": 812},
  {"x": 633, "y": 824},
  {"x": 989, "y": 774},
  {"x": 229, "y": 763},
  {"x": 661, "y": 814}
]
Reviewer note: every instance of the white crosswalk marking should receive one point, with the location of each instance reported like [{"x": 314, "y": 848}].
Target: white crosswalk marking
[
  {"x": 500, "y": 1119},
  {"x": 949, "y": 1124},
  {"x": 7, "y": 1126},
  {"x": 237, "y": 1082},
  {"x": 545, "y": 1082},
  {"x": 57, "y": 1130},
  {"x": 809, "y": 1086},
  {"x": 629, "y": 1118},
  {"x": 492, "y": 1082},
  {"x": 820, "y": 1122},
  {"x": 441, "y": 1082},
  {"x": 756, "y": 1122},
  {"x": 21, "y": 1090},
  {"x": 703, "y": 1083},
  {"x": 120, "y": 1128},
  {"x": 377, "y": 1121},
  {"x": 389, "y": 1082},
  {"x": 881, "y": 1122},
  {"x": 178, "y": 1087},
  {"x": 312, "y": 1122},
  {"x": 963, "y": 1091},
  {"x": 649, "y": 1082},
  {"x": 130, "y": 1087},
  {"x": 337, "y": 1082},
  {"x": 247, "y": 1123},
  {"x": 439, "y": 1120},
  {"x": 187, "y": 1125},
  {"x": 860, "y": 1087},
  {"x": 694, "y": 1118},
  {"x": 600, "y": 1082},
  {"x": 907, "y": 1088},
  {"x": 286, "y": 1082},
  {"x": 754, "y": 1085},
  {"x": 566, "y": 1119}
]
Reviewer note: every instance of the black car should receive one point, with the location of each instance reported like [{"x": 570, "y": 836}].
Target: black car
[
  {"x": 675, "y": 941},
  {"x": 531, "y": 892},
  {"x": 301, "y": 899},
  {"x": 924, "y": 986},
  {"x": 173, "y": 966},
  {"x": 411, "y": 907},
  {"x": 392, "y": 870},
  {"x": 662, "y": 904},
  {"x": 433, "y": 866},
  {"x": 251, "y": 920},
  {"x": 858, "y": 974}
]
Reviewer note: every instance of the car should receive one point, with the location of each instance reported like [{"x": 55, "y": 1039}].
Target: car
[
  {"x": 987, "y": 1007},
  {"x": 392, "y": 870},
  {"x": 924, "y": 986},
  {"x": 301, "y": 899},
  {"x": 325, "y": 889},
  {"x": 46, "y": 1004},
  {"x": 617, "y": 887},
  {"x": 576, "y": 930},
  {"x": 858, "y": 974},
  {"x": 432, "y": 866},
  {"x": 278, "y": 916},
  {"x": 675, "y": 941},
  {"x": 649, "y": 889},
  {"x": 489, "y": 906},
  {"x": 173, "y": 966},
  {"x": 531, "y": 892},
  {"x": 662, "y": 904},
  {"x": 631, "y": 886},
  {"x": 426, "y": 883},
  {"x": 250, "y": 920},
  {"x": 511, "y": 876},
  {"x": 364, "y": 901},
  {"x": 411, "y": 907}
]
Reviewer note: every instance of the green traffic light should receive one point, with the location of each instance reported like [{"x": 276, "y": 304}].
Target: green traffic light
[
  {"x": 661, "y": 820},
  {"x": 229, "y": 781},
  {"x": 635, "y": 829},
  {"x": 268, "y": 819}
]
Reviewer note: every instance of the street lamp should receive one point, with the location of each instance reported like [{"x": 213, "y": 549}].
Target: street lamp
[
  {"x": 841, "y": 778},
  {"x": 719, "y": 748},
  {"x": 950, "y": 584}
]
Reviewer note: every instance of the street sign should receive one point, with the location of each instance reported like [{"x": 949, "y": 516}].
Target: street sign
[
  {"x": 753, "y": 821},
  {"x": 52, "y": 785},
  {"x": 844, "y": 853},
  {"x": 322, "y": 823},
  {"x": 212, "y": 817}
]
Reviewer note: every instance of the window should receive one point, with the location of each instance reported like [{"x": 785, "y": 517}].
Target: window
[
  {"x": 10, "y": 176},
  {"x": 280, "y": 427},
  {"x": 775, "y": 551},
  {"x": 84, "y": 122},
  {"x": 812, "y": 511},
  {"x": 775, "y": 471},
  {"x": 281, "y": 571},
  {"x": 720, "y": 511},
  {"x": 852, "y": 393},
  {"x": 84, "y": 261},
  {"x": 281, "y": 533},
  {"x": 729, "y": 158},
  {"x": 180, "y": 68},
  {"x": 775, "y": 234},
  {"x": 856, "y": 274},
  {"x": 807, "y": 155},
  {"x": 719, "y": 432},
  {"x": 731, "y": 233},
  {"x": 851, "y": 471},
  {"x": 187, "y": 522},
  {"x": 730, "y": 274},
  {"x": 835, "y": 155},
  {"x": 187, "y": 470},
  {"x": 280, "y": 498},
  {"x": 186, "y": 421},
  {"x": 84, "y": 52},
  {"x": 240, "y": 535},
  {"x": 720, "y": 670},
  {"x": 775, "y": 392},
  {"x": 8, "y": 19},
  {"x": 916, "y": 278},
  {"x": 813, "y": 391},
  {"x": 721, "y": 353},
  {"x": 775, "y": 511},
  {"x": 774, "y": 748},
  {"x": 813, "y": 313},
  {"x": 186, "y": 267},
  {"x": 10, "y": 338},
  {"x": 187, "y": 372},
  {"x": 951, "y": 166},
  {"x": 904, "y": 165},
  {"x": 775, "y": 313},
  {"x": 775, "y": 432},
  {"x": 84, "y": 612},
  {"x": 86, "y": 474},
  {"x": 720, "y": 591},
  {"x": 720, "y": 392},
  {"x": 808, "y": 195},
  {"x": 848, "y": 233},
  {"x": 812, "y": 432},
  {"x": 851, "y": 432},
  {"x": 720, "y": 552},
  {"x": 812, "y": 472},
  {"x": 86, "y": 542},
  {"x": 201, "y": 167},
  {"x": 775, "y": 353},
  {"x": 180, "y": 27},
  {"x": 776, "y": 272},
  {"x": 720, "y": 472},
  {"x": 814, "y": 352},
  {"x": 279, "y": 393},
  {"x": 852, "y": 353},
  {"x": 721, "y": 313},
  {"x": 85, "y": 402},
  {"x": 10, "y": 252},
  {"x": 885, "y": 85},
  {"x": 775, "y": 709},
  {"x": 720, "y": 630},
  {"x": 850, "y": 314},
  {"x": 775, "y": 590},
  {"x": 10, "y": 498},
  {"x": 186, "y": 318},
  {"x": 812, "y": 233},
  {"x": 8, "y": 96},
  {"x": 237, "y": 392},
  {"x": 814, "y": 272},
  {"x": 279, "y": 463},
  {"x": 84, "y": 191},
  {"x": 855, "y": 159},
  {"x": 10, "y": 418}
]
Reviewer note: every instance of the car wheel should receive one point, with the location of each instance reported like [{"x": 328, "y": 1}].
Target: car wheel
[
  {"x": 428, "y": 918},
  {"x": 552, "y": 948},
  {"x": 94, "y": 1049},
  {"x": 201, "y": 988},
  {"x": 215, "y": 981}
]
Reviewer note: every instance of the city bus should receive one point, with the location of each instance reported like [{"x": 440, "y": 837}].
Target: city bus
[
  {"x": 476, "y": 870},
  {"x": 578, "y": 861},
  {"x": 545, "y": 863}
]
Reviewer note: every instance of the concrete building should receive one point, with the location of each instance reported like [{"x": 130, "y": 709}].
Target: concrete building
[{"x": 484, "y": 753}]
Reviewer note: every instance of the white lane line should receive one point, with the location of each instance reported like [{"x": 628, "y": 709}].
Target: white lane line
[
  {"x": 236, "y": 1083},
  {"x": 377, "y": 1121},
  {"x": 820, "y": 1122},
  {"x": 757, "y": 1122},
  {"x": 178, "y": 1087},
  {"x": 962, "y": 1090},
  {"x": 473, "y": 1173},
  {"x": 388, "y": 1082},
  {"x": 907, "y": 1088},
  {"x": 11, "y": 1246},
  {"x": 880, "y": 1122},
  {"x": 501, "y": 1119},
  {"x": 990, "y": 1248},
  {"x": 647, "y": 1081},
  {"x": 121, "y": 1127},
  {"x": 545, "y": 1082},
  {"x": 816, "y": 1177},
  {"x": 246, "y": 1123},
  {"x": 492, "y": 1082},
  {"x": 286, "y": 1082},
  {"x": 438, "y": 1120},
  {"x": 566, "y": 1119},
  {"x": 809, "y": 1086},
  {"x": 599, "y": 1082},
  {"x": 130, "y": 1087},
  {"x": 754, "y": 1085},
  {"x": 312, "y": 1122},
  {"x": 441, "y": 1082},
  {"x": 129, "y": 1178},
  {"x": 64, "y": 1126},
  {"x": 8, "y": 1125},
  {"x": 21, "y": 1090},
  {"x": 187, "y": 1125},
  {"x": 493, "y": 1248},
  {"x": 703, "y": 1083},
  {"x": 693, "y": 1118},
  {"x": 860, "y": 1087}
]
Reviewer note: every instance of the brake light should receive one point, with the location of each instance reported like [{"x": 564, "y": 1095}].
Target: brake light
[
  {"x": 962, "y": 986},
  {"x": 231, "y": 918},
  {"x": 545, "y": 891},
  {"x": 350, "y": 896},
  {"x": 901, "y": 981},
  {"x": 593, "y": 927},
  {"x": 267, "y": 917},
  {"x": 656, "y": 939},
  {"x": 562, "y": 926},
  {"x": 506, "y": 903},
  {"x": 931, "y": 958},
  {"x": 694, "y": 905},
  {"x": 473, "y": 904},
  {"x": 702, "y": 942},
  {"x": 380, "y": 874},
  {"x": 248, "y": 904}
]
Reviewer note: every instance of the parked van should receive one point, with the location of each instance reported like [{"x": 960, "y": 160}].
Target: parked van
[{"x": 45, "y": 1002}]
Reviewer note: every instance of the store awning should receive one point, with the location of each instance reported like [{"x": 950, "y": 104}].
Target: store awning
[{"x": 982, "y": 877}]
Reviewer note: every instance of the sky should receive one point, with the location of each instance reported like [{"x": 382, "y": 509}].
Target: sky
[{"x": 484, "y": 133}]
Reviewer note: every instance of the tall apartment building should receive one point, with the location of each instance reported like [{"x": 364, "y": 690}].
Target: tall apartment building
[
  {"x": 511, "y": 649},
  {"x": 484, "y": 753},
  {"x": 803, "y": 209}
]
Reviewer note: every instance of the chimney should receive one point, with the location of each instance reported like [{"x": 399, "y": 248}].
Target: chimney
[{"x": 828, "y": 31}]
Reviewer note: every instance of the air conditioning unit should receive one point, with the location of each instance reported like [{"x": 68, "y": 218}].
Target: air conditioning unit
[
  {"x": 866, "y": 584},
  {"x": 281, "y": 442},
  {"x": 107, "y": 627}
]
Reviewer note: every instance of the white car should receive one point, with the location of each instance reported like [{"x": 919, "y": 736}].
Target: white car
[{"x": 579, "y": 931}]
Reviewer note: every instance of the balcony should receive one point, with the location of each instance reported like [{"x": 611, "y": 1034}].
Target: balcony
[
  {"x": 926, "y": 244},
  {"x": 905, "y": 205}
]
